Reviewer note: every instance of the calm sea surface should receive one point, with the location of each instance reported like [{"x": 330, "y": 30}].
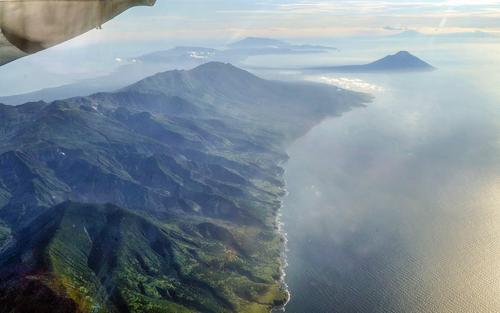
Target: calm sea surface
[{"x": 396, "y": 207}]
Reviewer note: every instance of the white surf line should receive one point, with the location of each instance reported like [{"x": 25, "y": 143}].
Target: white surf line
[{"x": 284, "y": 251}]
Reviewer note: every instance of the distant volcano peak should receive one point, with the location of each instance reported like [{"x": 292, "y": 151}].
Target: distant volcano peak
[
  {"x": 403, "y": 53},
  {"x": 402, "y": 61}
]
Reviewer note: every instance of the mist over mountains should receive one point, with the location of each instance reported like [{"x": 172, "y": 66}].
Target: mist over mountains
[{"x": 181, "y": 57}]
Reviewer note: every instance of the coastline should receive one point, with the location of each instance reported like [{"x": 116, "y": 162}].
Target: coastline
[
  {"x": 237, "y": 269},
  {"x": 280, "y": 229},
  {"x": 280, "y": 224},
  {"x": 284, "y": 252}
]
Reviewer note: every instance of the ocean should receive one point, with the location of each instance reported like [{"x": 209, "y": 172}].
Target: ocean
[{"x": 396, "y": 207}]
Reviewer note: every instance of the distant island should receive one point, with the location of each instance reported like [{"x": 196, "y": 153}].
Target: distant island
[
  {"x": 252, "y": 42},
  {"x": 402, "y": 61},
  {"x": 260, "y": 42},
  {"x": 413, "y": 34}
]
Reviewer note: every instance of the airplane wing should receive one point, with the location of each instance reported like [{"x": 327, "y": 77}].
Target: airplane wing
[{"x": 30, "y": 26}]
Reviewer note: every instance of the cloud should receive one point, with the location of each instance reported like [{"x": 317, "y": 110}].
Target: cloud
[
  {"x": 355, "y": 84},
  {"x": 395, "y": 28},
  {"x": 222, "y": 19}
]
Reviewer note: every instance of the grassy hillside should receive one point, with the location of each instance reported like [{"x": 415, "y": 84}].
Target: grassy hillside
[{"x": 107, "y": 259}]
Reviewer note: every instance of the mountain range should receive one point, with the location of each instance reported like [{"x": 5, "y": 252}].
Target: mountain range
[
  {"x": 270, "y": 43},
  {"x": 160, "y": 197}
]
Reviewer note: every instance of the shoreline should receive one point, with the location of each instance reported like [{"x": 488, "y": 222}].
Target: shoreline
[
  {"x": 280, "y": 224},
  {"x": 284, "y": 249}
]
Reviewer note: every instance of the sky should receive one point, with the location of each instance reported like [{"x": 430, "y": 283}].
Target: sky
[
  {"x": 215, "y": 23},
  {"x": 229, "y": 19}
]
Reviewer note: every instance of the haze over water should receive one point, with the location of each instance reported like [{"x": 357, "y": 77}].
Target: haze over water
[{"x": 396, "y": 207}]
